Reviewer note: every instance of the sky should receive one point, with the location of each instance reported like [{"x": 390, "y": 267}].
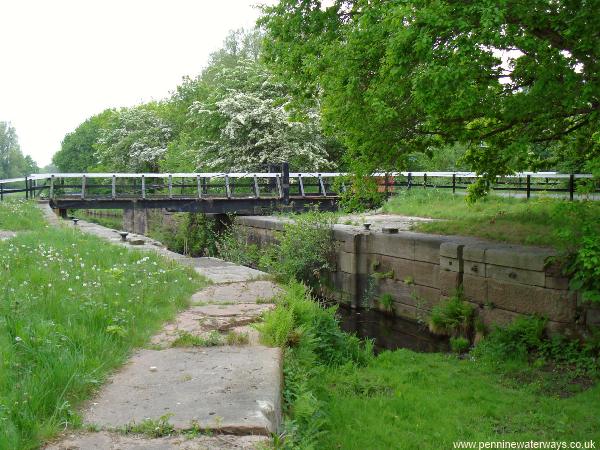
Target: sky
[{"x": 66, "y": 60}]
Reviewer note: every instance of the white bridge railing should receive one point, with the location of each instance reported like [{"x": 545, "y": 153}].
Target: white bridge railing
[{"x": 261, "y": 184}]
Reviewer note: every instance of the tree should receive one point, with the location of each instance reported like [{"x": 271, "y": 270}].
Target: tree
[
  {"x": 509, "y": 79},
  {"x": 78, "y": 148},
  {"x": 12, "y": 162},
  {"x": 134, "y": 139},
  {"x": 238, "y": 117}
]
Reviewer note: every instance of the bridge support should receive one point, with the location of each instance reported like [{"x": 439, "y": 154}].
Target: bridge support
[{"x": 135, "y": 219}]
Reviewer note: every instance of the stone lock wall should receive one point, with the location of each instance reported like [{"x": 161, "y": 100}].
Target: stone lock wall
[{"x": 419, "y": 270}]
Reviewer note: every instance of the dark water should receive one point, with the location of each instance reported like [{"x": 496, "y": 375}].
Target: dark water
[{"x": 390, "y": 332}]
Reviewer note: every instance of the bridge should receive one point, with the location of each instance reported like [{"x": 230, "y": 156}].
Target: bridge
[{"x": 256, "y": 193}]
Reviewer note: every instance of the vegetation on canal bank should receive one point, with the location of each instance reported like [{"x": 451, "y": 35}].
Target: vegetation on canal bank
[
  {"x": 537, "y": 221},
  {"x": 517, "y": 385},
  {"x": 72, "y": 308}
]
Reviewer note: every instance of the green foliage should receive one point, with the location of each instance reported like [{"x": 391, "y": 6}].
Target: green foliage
[
  {"x": 512, "y": 79},
  {"x": 152, "y": 428},
  {"x": 525, "y": 341},
  {"x": 303, "y": 250},
  {"x": 387, "y": 301},
  {"x": 584, "y": 266},
  {"x": 312, "y": 340},
  {"x": 359, "y": 193},
  {"x": 234, "y": 245},
  {"x": 459, "y": 344},
  {"x": 452, "y": 317},
  {"x": 20, "y": 214},
  {"x": 186, "y": 339},
  {"x": 72, "y": 308},
  {"x": 78, "y": 149},
  {"x": 538, "y": 221},
  {"x": 13, "y": 163},
  {"x": 193, "y": 234}
]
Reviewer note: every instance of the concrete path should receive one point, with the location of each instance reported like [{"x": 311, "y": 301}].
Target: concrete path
[{"x": 205, "y": 381}]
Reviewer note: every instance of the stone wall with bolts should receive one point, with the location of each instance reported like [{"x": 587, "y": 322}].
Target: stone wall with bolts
[{"x": 501, "y": 281}]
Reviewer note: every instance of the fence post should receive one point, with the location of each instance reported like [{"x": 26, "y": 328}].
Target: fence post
[
  {"x": 285, "y": 181},
  {"x": 528, "y": 187},
  {"x": 571, "y": 186},
  {"x": 409, "y": 181},
  {"x": 143, "y": 187},
  {"x": 454, "y": 183},
  {"x": 26, "y": 188},
  {"x": 114, "y": 187},
  {"x": 51, "y": 187},
  {"x": 83, "y": 187},
  {"x": 1, "y": 192}
]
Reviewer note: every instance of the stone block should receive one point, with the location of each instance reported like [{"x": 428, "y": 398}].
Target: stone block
[
  {"x": 402, "y": 268},
  {"x": 515, "y": 275},
  {"x": 451, "y": 264},
  {"x": 449, "y": 281},
  {"x": 555, "y": 305},
  {"x": 426, "y": 274},
  {"x": 556, "y": 282},
  {"x": 345, "y": 282},
  {"x": 427, "y": 248},
  {"x": 347, "y": 262},
  {"x": 475, "y": 288},
  {"x": 399, "y": 245},
  {"x": 400, "y": 292},
  {"x": 475, "y": 252},
  {"x": 426, "y": 297},
  {"x": 520, "y": 257},
  {"x": 474, "y": 268},
  {"x": 451, "y": 250},
  {"x": 411, "y": 312}
]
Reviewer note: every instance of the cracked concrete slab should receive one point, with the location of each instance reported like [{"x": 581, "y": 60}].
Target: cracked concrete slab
[
  {"x": 246, "y": 292},
  {"x": 233, "y": 389},
  {"x": 200, "y": 320},
  {"x": 113, "y": 441}
]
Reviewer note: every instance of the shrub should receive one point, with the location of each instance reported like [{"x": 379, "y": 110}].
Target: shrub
[
  {"x": 452, "y": 317},
  {"x": 459, "y": 344},
  {"x": 304, "y": 249},
  {"x": 524, "y": 340},
  {"x": 359, "y": 193},
  {"x": 312, "y": 340},
  {"x": 234, "y": 245},
  {"x": 192, "y": 234},
  {"x": 387, "y": 301}
]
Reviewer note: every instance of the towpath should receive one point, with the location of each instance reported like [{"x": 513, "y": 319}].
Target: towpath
[{"x": 223, "y": 396}]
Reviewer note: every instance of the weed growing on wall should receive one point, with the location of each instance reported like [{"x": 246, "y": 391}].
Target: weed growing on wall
[
  {"x": 304, "y": 250},
  {"x": 234, "y": 245},
  {"x": 453, "y": 317}
]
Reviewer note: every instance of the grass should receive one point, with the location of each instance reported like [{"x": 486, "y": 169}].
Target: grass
[
  {"x": 186, "y": 339},
  {"x": 538, "y": 221},
  {"x": 407, "y": 400},
  {"x": 72, "y": 308},
  {"x": 338, "y": 395}
]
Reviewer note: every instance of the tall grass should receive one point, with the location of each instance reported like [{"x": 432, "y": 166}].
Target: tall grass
[
  {"x": 72, "y": 308},
  {"x": 538, "y": 221},
  {"x": 20, "y": 215}
]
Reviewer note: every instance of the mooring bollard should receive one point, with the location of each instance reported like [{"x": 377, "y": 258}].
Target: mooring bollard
[
  {"x": 367, "y": 226},
  {"x": 75, "y": 220},
  {"x": 123, "y": 235}
]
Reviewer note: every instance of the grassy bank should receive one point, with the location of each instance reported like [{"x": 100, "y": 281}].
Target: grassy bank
[
  {"x": 338, "y": 395},
  {"x": 72, "y": 308},
  {"x": 539, "y": 221}
]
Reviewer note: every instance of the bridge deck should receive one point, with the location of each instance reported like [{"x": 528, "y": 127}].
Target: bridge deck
[{"x": 209, "y": 205}]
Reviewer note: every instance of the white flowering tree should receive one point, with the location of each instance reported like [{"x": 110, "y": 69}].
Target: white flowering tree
[
  {"x": 239, "y": 117},
  {"x": 136, "y": 140}
]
